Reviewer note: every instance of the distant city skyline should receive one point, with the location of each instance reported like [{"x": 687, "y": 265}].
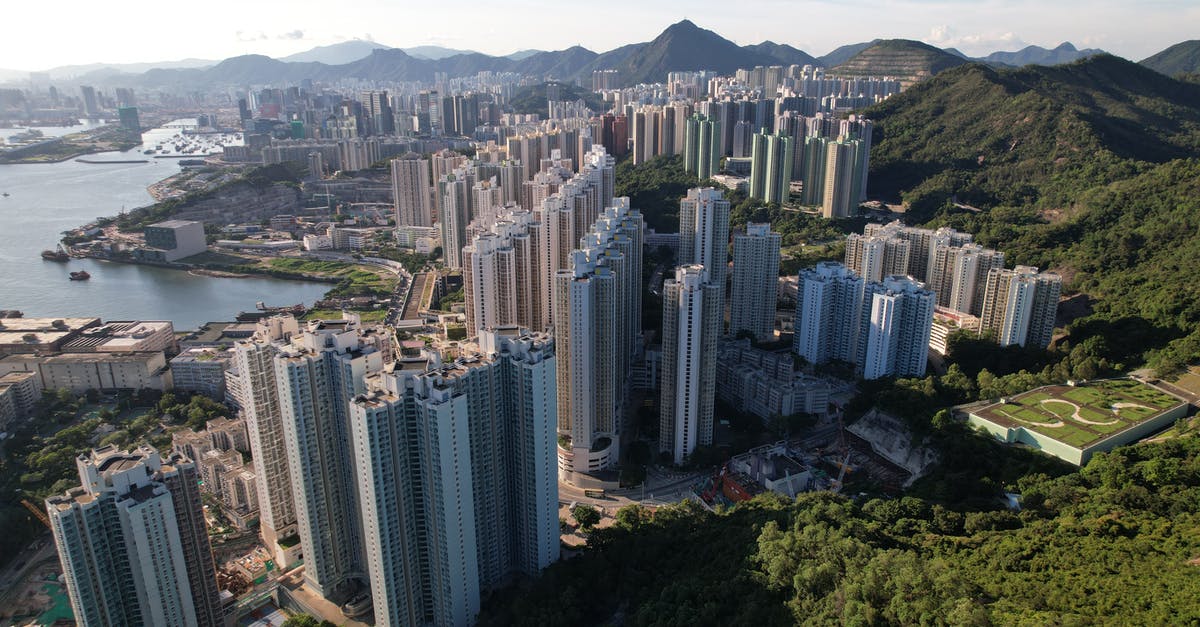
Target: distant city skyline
[{"x": 227, "y": 28}]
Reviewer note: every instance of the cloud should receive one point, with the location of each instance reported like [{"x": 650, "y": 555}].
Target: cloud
[
  {"x": 295, "y": 34},
  {"x": 250, "y": 36},
  {"x": 946, "y": 37}
]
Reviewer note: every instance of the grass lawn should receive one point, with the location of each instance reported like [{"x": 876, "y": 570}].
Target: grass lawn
[
  {"x": 366, "y": 315},
  {"x": 356, "y": 280},
  {"x": 1031, "y": 415},
  {"x": 1083, "y": 396},
  {"x": 1033, "y": 399},
  {"x": 1051, "y": 411}
]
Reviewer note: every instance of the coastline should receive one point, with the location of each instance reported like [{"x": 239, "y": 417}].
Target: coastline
[
  {"x": 82, "y": 152},
  {"x": 201, "y": 270}
]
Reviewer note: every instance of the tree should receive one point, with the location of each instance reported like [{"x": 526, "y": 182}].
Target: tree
[
  {"x": 632, "y": 516},
  {"x": 586, "y": 515},
  {"x": 306, "y": 620},
  {"x": 64, "y": 396}
]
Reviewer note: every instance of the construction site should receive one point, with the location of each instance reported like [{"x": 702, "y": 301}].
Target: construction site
[{"x": 832, "y": 457}]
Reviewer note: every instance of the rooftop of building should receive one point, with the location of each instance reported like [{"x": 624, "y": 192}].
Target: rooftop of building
[
  {"x": 83, "y": 358},
  {"x": 49, "y": 325},
  {"x": 203, "y": 354},
  {"x": 1081, "y": 414},
  {"x": 119, "y": 334},
  {"x": 11, "y": 378},
  {"x": 172, "y": 224}
]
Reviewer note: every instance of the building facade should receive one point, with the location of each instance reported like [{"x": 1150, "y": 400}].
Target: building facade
[
  {"x": 133, "y": 542},
  {"x": 754, "y": 287},
  {"x": 455, "y": 468},
  {"x": 691, "y": 326}
]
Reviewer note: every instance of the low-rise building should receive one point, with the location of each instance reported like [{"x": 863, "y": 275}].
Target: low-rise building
[
  {"x": 127, "y": 336},
  {"x": 1075, "y": 421},
  {"x": 201, "y": 370},
  {"x": 945, "y": 322},
  {"x": 19, "y": 392},
  {"x": 40, "y": 335},
  {"x": 80, "y": 372},
  {"x": 764, "y": 383},
  {"x": 775, "y": 468}
]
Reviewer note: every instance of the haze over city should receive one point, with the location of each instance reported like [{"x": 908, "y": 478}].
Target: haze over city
[{"x": 226, "y": 28}]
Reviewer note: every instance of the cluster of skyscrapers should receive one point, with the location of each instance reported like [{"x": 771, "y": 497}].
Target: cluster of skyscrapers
[
  {"x": 1017, "y": 306},
  {"x": 430, "y": 480},
  {"x": 881, "y": 327},
  {"x": 426, "y": 484}
]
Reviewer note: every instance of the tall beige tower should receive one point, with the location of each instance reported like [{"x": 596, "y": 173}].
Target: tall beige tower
[{"x": 412, "y": 190}]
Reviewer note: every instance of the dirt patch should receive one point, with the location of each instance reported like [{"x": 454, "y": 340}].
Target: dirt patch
[{"x": 1072, "y": 308}]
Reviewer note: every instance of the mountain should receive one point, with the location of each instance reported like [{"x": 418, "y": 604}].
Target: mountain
[
  {"x": 844, "y": 53},
  {"x": 392, "y": 64},
  {"x": 523, "y": 54},
  {"x": 684, "y": 46},
  {"x": 433, "y": 53},
  {"x": 905, "y": 59},
  {"x": 1001, "y": 136},
  {"x": 958, "y": 53},
  {"x": 782, "y": 53},
  {"x": 561, "y": 64},
  {"x": 1037, "y": 55},
  {"x": 335, "y": 54},
  {"x": 1091, "y": 169},
  {"x": 1182, "y": 58},
  {"x": 102, "y": 72}
]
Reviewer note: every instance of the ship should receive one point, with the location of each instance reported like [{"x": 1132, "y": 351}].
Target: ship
[
  {"x": 80, "y": 275},
  {"x": 55, "y": 255}
]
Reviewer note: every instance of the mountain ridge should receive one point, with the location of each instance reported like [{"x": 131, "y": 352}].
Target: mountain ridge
[
  {"x": 1181, "y": 58},
  {"x": 1065, "y": 52},
  {"x": 681, "y": 46}
]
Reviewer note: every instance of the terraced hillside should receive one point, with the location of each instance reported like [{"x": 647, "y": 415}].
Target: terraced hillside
[{"x": 909, "y": 61}]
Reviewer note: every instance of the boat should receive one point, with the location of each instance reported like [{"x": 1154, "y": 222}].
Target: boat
[
  {"x": 55, "y": 255},
  {"x": 5, "y": 194},
  {"x": 80, "y": 275}
]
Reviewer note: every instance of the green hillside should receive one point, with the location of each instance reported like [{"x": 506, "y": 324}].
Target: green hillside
[
  {"x": 1114, "y": 544},
  {"x": 1182, "y": 58},
  {"x": 1089, "y": 169}
]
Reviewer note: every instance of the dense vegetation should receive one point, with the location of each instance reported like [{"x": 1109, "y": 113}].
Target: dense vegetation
[
  {"x": 1088, "y": 169},
  {"x": 1182, "y": 58},
  {"x": 1115, "y": 543},
  {"x": 39, "y": 458}
]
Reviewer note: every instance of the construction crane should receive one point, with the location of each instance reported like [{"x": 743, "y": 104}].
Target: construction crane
[
  {"x": 36, "y": 511},
  {"x": 845, "y": 464}
]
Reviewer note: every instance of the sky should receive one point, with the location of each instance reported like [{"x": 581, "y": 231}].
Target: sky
[{"x": 154, "y": 30}]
